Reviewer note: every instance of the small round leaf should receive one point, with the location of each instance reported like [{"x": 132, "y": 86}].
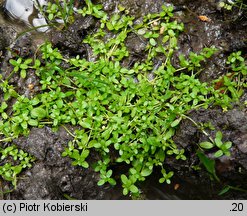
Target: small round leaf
[{"x": 206, "y": 145}]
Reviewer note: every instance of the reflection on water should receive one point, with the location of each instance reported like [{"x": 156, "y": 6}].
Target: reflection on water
[
  {"x": 26, "y": 11},
  {"x": 1, "y": 19}
]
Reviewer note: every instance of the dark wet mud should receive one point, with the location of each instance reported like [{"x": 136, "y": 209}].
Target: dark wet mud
[{"x": 53, "y": 177}]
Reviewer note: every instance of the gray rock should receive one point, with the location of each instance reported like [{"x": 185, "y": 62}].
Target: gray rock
[
  {"x": 241, "y": 142},
  {"x": 237, "y": 120},
  {"x": 3, "y": 40},
  {"x": 53, "y": 176}
]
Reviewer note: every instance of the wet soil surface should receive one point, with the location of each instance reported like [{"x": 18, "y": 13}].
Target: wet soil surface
[{"x": 53, "y": 177}]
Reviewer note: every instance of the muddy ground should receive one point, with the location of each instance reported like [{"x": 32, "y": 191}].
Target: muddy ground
[{"x": 53, "y": 177}]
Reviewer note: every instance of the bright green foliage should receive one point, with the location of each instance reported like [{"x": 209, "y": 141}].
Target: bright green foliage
[
  {"x": 15, "y": 161},
  {"x": 223, "y": 147},
  {"x": 238, "y": 63},
  {"x": 234, "y": 82},
  {"x": 231, "y": 4},
  {"x": 123, "y": 115},
  {"x": 106, "y": 177},
  {"x": 22, "y": 66},
  {"x": 128, "y": 185},
  {"x": 92, "y": 9},
  {"x": 59, "y": 10},
  {"x": 194, "y": 62},
  {"x": 225, "y": 6}
]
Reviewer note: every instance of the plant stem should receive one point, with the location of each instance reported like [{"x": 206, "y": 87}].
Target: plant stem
[
  {"x": 68, "y": 131},
  {"x": 203, "y": 131}
]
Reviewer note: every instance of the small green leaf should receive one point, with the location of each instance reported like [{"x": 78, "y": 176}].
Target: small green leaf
[
  {"x": 228, "y": 145},
  {"x": 24, "y": 125},
  {"x": 209, "y": 164},
  {"x": 17, "y": 169},
  {"x": 206, "y": 145},
  {"x": 162, "y": 180},
  {"x": 219, "y": 135},
  {"x": 224, "y": 190},
  {"x": 106, "y": 134},
  {"x": 152, "y": 42},
  {"x": 13, "y": 62},
  {"x": 85, "y": 124},
  {"x": 92, "y": 143},
  {"x": 169, "y": 134},
  {"x": 146, "y": 172},
  {"x": 28, "y": 61},
  {"x": 219, "y": 153},
  {"x": 112, "y": 181},
  {"x": 170, "y": 174},
  {"x": 124, "y": 179},
  {"x": 176, "y": 122},
  {"x": 125, "y": 191},
  {"x": 134, "y": 189},
  {"x": 101, "y": 182},
  {"x": 50, "y": 16},
  {"x": 19, "y": 60},
  {"x": 33, "y": 122},
  {"x": 227, "y": 153},
  {"x": 170, "y": 152},
  {"x": 84, "y": 140},
  {"x": 85, "y": 153},
  {"x": 85, "y": 164},
  {"x": 218, "y": 142},
  {"x": 64, "y": 154},
  {"x": 221, "y": 4},
  {"x": 59, "y": 103},
  {"x": 109, "y": 173},
  {"x": 4, "y": 115},
  {"x": 109, "y": 26},
  {"x": 38, "y": 113},
  {"x": 97, "y": 145},
  {"x": 141, "y": 31},
  {"x": 23, "y": 74},
  {"x": 37, "y": 63},
  {"x": 168, "y": 181}
]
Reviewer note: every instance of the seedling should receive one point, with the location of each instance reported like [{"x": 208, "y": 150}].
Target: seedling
[
  {"x": 59, "y": 12},
  {"x": 223, "y": 147},
  {"x": 15, "y": 161}
]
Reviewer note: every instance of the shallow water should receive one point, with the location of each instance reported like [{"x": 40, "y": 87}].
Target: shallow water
[{"x": 27, "y": 12}]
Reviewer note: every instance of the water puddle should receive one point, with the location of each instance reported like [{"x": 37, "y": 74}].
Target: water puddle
[{"x": 27, "y": 11}]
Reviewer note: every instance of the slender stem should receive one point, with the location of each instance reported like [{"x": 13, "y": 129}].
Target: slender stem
[
  {"x": 69, "y": 132},
  {"x": 154, "y": 21},
  {"x": 203, "y": 131},
  {"x": 180, "y": 69},
  {"x": 237, "y": 188},
  {"x": 46, "y": 123},
  {"x": 68, "y": 86},
  {"x": 7, "y": 139},
  {"x": 33, "y": 29}
]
